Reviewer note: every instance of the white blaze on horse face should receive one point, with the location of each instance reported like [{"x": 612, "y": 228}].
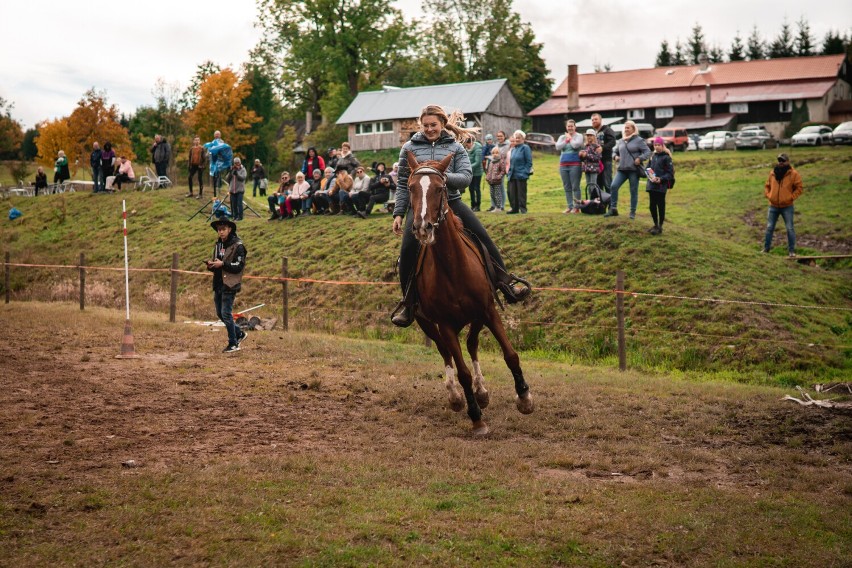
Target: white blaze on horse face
[{"x": 424, "y": 185}]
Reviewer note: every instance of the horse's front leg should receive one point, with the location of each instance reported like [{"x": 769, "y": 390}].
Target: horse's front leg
[
  {"x": 524, "y": 401},
  {"x": 455, "y": 395},
  {"x": 479, "y": 391},
  {"x": 451, "y": 339}
]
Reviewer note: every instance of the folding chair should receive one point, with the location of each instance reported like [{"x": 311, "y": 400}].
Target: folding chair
[{"x": 157, "y": 181}]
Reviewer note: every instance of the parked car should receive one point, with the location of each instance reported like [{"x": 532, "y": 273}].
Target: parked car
[
  {"x": 676, "y": 138},
  {"x": 755, "y": 139},
  {"x": 541, "y": 142},
  {"x": 843, "y": 133},
  {"x": 753, "y": 127},
  {"x": 645, "y": 130},
  {"x": 693, "y": 145},
  {"x": 718, "y": 140},
  {"x": 813, "y": 136}
]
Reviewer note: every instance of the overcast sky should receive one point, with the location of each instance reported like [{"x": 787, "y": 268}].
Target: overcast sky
[{"x": 53, "y": 52}]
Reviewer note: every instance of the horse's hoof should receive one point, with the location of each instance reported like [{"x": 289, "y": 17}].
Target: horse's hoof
[
  {"x": 480, "y": 429},
  {"x": 457, "y": 405},
  {"x": 525, "y": 403},
  {"x": 482, "y": 398}
]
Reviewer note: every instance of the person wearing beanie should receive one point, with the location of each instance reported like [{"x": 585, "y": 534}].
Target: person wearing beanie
[{"x": 227, "y": 265}]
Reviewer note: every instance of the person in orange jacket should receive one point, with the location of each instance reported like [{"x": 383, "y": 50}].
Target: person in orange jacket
[{"x": 782, "y": 188}]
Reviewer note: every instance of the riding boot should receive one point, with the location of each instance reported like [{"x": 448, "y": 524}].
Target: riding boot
[
  {"x": 515, "y": 289},
  {"x": 403, "y": 314}
]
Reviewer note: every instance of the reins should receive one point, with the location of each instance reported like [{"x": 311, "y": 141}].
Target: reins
[{"x": 444, "y": 201}]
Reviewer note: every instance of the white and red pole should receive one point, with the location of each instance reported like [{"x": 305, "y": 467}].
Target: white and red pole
[
  {"x": 126, "y": 266},
  {"x": 127, "y": 349}
]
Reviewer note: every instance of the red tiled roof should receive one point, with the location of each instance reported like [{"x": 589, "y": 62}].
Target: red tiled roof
[
  {"x": 733, "y": 73},
  {"x": 719, "y": 94}
]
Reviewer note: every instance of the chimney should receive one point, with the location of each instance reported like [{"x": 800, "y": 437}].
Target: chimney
[
  {"x": 707, "y": 112},
  {"x": 573, "y": 88},
  {"x": 704, "y": 62}
]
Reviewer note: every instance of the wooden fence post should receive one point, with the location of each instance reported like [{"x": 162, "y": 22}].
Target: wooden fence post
[
  {"x": 173, "y": 292},
  {"x": 619, "y": 313},
  {"x": 284, "y": 309},
  {"x": 7, "y": 276},
  {"x": 82, "y": 281}
]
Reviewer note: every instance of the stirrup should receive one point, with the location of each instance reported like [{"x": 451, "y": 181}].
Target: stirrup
[
  {"x": 402, "y": 315},
  {"x": 515, "y": 289}
]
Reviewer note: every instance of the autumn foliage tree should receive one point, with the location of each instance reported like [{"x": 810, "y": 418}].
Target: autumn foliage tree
[
  {"x": 11, "y": 133},
  {"x": 94, "y": 120},
  {"x": 221, "y": 106}
]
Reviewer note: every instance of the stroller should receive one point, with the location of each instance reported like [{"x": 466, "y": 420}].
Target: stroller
[{"x": 596, "y": 202}]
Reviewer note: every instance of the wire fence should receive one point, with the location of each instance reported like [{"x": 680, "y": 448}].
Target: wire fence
[{"x": 619, "y": 293}]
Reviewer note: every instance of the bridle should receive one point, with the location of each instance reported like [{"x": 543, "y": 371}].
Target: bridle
[{"x": 444, "y": 205}]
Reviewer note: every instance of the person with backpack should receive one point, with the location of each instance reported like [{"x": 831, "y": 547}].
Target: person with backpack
[{"x": 661, "y": 168}]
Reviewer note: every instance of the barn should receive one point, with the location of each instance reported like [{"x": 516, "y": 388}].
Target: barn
[
  {"x": 706, "y": 96},
  {"x": 387, "y": 118}
]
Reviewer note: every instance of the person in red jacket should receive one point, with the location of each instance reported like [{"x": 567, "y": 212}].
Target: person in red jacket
[{"x": 782, "y": 188}]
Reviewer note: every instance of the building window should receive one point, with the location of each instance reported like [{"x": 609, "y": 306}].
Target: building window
[
  {"x": 636, "y": 114},
  {"x": 738, "y": 108},
  {"x": 374, "y": 127},
  {"x": 664, "y": 112},
  {"x": 785, "y": 107}
]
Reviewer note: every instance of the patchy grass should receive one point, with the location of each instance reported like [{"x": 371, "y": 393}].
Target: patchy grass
[
  {"x": 709, "y": 250},
  {"x": 305, "y": 449}
]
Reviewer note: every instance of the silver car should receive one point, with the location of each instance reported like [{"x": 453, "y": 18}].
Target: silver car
[
  {"x": 755, "y": 139},
  {"x": 813, "y": 136},
  {"x": 718, "y": 140},
  {"x": 843, "y": 133}
]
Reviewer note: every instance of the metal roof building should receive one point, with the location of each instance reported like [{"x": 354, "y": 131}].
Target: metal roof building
[{"x": 387, "y": 118}]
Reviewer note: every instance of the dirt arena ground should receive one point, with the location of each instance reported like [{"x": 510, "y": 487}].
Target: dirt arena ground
[{"x": 84, "y": 439}]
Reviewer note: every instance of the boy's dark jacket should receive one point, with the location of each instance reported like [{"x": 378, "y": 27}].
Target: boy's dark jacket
[{"x": 233, "y": 253}]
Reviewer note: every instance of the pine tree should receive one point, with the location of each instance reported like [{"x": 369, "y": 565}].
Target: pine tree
[
  {"x": 833, "y": 44},
  {"x": 679, "y": 55},
  {"x": 756, "y": 48},
  {"x": 716, "y": 55},
  {"x": 804, "y": 43},
  {"x": 696, "y": 44},
  {"x": 737, "y": 52},
  {"x": 664, "y": 57},
  {"x": 782, "y": 45}
]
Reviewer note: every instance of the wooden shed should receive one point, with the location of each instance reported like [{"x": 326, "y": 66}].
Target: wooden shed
[{"x": 379, "y": 120}]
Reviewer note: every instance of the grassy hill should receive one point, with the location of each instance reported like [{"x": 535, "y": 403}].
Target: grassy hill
[{"x": 715, "y": 222}]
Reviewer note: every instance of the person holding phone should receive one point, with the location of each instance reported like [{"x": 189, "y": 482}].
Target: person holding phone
[{"x": 227, "y": 266}]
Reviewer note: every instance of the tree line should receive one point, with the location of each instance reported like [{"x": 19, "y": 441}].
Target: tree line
[
  {"x": 313, "y": 58},
  {"x": 788, "y": 43}
]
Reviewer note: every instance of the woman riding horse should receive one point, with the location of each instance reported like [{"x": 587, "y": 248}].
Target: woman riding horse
[{"x": 439, "y": 136}]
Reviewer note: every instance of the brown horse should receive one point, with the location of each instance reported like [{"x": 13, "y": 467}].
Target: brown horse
[{"x": 454, "y": 291}]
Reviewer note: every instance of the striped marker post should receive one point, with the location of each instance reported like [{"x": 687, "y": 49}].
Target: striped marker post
[{"x": 127, "y": 349}]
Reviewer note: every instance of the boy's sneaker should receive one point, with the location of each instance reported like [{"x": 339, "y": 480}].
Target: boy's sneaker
[
  {"x": 241, "y": 338},
  {"x": 231, "y": 348},
  {"x": 792, "y": 254}
]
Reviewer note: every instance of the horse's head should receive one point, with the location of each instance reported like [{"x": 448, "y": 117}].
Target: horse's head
[{"x": 427, "y": 191}]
